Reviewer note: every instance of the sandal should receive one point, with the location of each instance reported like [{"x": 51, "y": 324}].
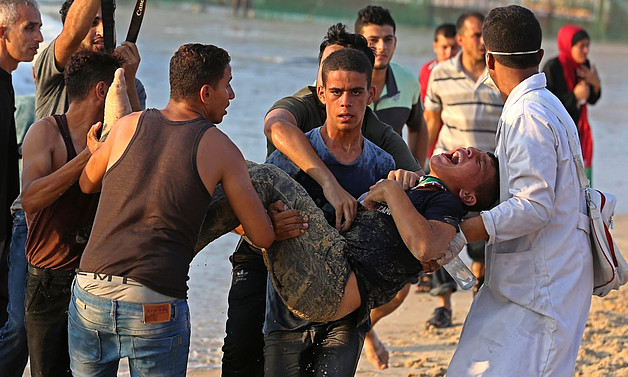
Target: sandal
[
  {"x": 424, "y": 284},
  {"x": 441, "y": 318}
]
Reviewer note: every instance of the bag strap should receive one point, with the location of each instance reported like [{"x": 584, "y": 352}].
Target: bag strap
[
  {"x": 573, "y": 146},
  {"x": 136, "y": 20}
]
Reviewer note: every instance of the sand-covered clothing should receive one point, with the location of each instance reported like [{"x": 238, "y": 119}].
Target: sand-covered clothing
[{"x": 310, "y": 271}]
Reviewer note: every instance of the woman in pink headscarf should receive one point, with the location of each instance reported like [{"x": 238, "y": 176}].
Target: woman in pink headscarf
[{"x": 572, "y": 79}]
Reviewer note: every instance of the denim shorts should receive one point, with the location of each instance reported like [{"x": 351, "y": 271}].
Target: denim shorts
[{"x": 102, "y": 331}]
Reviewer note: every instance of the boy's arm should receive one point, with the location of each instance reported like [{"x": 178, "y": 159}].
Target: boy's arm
[
  {"x": 41, "y": 184},
  {"x": 280, "y": 127},
  {"x": 426, "y": 239}
]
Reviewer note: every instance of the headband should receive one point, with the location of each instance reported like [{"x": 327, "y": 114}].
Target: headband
[{"x": 513, "y": 53}]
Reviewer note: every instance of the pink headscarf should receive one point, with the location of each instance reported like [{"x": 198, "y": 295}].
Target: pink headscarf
[{"x": 565, "y": 39}]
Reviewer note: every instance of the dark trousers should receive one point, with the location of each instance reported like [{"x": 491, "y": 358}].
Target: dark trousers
[
  {"x": 4, "y": 277},
  {"x": 243, "y": 348},
  {"x": 326, "y": 349},
  {"x": 13, "y": 348},
  {"x": 46, "y": 318}
]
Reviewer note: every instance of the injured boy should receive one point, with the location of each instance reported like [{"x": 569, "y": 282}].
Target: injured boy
[{"x": 324, "y": 275}]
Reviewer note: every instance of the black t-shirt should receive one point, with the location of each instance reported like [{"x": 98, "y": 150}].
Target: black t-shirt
[
  {"x": 377, "y": 254},
  {"x": 9, "y": 176}
]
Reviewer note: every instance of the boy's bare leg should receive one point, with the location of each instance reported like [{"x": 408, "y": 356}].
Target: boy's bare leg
[
  {"x": 117, "y": 103},
  {"x": 375, "y": 350}
]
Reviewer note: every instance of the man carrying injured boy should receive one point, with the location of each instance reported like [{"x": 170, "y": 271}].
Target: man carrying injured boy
[{"x": 323, "y": 275}]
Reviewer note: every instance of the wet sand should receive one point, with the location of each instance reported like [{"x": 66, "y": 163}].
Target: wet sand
[{"x": 417, "y": 352}]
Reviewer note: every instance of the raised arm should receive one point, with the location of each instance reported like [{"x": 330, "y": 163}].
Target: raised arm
[
  {"x": 426, "y": 239},
  {"x": 80, "y": 19},
  {"x": 131, "y": 56},
  {"x": 280, "y": 127},
  {"x": 42, "y": 184}
]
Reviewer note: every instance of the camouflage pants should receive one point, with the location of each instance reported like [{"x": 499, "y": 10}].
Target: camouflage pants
[{"x": 310, "y": 271}]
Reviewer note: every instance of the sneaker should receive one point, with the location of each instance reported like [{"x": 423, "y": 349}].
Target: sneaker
[{"x": 441, "y": 318}]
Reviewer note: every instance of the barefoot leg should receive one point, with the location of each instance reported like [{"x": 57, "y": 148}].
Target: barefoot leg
[{"x": 117, "y": 103}]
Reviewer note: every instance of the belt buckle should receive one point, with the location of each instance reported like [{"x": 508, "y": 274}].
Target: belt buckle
[{"x": 157, "y": 313}]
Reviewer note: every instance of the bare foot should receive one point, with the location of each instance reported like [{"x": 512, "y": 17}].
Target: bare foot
[
  {"x": 376, "y": 352},
  {"x": 117, "y": 103}
]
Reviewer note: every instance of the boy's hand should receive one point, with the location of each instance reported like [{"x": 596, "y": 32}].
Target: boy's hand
[
  {"x": 406, "y": 178},
  {"x": 453, "y": 249},
  {"x": 377, "y": 192}
]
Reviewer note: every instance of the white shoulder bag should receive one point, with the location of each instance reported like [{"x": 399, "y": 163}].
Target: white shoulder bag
[{"x": 610, "y": 270}]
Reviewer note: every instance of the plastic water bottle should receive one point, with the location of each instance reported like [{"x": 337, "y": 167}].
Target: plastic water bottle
[{"x": 461, "y": 273}]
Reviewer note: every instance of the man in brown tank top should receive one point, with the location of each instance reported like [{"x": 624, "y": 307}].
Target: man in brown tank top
[
  {"x": 59, "y": 215},
  {"x": 156, "y": 172}
]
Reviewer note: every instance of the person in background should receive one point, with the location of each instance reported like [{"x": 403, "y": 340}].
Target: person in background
[
  {"x": 397, "y": 100},
  {"x": 445, "y": 46},
  {"x": 573, "y": 79},
  {"x": 462, "y": 111},
  {"x": 442, "y": 284},
  {"x": 20, "y": 36}
]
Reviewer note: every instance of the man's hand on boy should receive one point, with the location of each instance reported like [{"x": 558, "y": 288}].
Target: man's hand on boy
[{"x": 287, "y": 223}]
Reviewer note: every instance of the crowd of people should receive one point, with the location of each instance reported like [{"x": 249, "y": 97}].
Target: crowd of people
[{"x": 115, "y": 200}]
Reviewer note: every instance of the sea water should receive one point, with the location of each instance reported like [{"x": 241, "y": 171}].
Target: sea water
[{"x": 274, "y": 58}]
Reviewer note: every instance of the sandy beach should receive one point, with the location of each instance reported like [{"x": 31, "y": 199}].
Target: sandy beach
[{"x": 417, "y": 352}]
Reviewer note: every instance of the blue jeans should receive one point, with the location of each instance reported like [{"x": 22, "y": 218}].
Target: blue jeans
[
  {"x": 13, "y": 345},
  {"x": 102, "y": 331}
]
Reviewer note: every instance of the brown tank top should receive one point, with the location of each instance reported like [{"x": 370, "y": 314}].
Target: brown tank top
[
  {"x": 57, "y": 234},
  {"x": 152, "y": 205}
]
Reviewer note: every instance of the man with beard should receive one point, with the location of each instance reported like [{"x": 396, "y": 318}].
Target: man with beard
[{"x": 82, "y": 30}]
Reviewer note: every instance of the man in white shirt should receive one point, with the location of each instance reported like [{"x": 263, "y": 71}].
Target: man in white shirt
[{"x": 539, "y": 273}]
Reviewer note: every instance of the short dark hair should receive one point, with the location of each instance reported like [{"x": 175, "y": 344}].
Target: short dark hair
[
  {"x": 65, "y": 7},
  {"x": 487, "y": 192},
  {"x": 513, "y": 29},
  {"x": 195, "y": 65},
  {"x": 465, "y": 16},
  {"x": 337, "y": 35},
  {"x": 87, "y": 68},
  {"x": 446, "y": 30},
  {"x": 376, "y": 15},
  {"x": 349, "y": 60}
]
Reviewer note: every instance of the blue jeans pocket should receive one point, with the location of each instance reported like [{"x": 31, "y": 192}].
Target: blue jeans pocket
[
  {"x": 84, "y": 343},
  {"x": 161, "y": 356}
]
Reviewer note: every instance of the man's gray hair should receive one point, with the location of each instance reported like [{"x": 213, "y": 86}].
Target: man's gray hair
[{"x": 8, "y": 10}]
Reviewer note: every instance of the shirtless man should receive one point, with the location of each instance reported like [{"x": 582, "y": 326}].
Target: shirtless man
[
  {"x": 59, "y": 216},
  {"x": 157, "y": 172}
]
